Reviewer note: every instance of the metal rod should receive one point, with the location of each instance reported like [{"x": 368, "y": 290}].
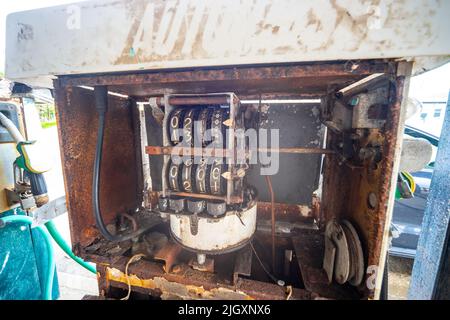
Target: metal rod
[
  {"x": 175, "y": 101},
  {"x": 234, "y": 199},
  {"x": 272, "y": 207},
  {"x": 204, "y": 152},
  {"x": 217, "y": 152},
  {"x": 297, "y": 150}
]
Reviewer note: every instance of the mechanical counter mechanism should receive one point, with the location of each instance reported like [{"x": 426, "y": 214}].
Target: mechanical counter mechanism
[{"x": 203, "y": 194}]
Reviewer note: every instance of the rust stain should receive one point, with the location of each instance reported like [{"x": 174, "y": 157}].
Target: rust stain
[
  {"x": 77, "y": 126},
  {"x": 90, "y": 232},
  {"x": 346, "y": 189},
  {"x": 285, "y": 211},
  {"x": 313, "y": 20},
  {"x": 170, "y": 289}
]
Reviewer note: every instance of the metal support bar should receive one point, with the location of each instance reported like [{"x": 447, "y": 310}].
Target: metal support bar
[
  {"x": 430, "y": 275},
  {"x": 217, "y": 152}
]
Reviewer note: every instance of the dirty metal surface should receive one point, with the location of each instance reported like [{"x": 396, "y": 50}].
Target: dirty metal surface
[
  {"x": 309, "y": 249},
  {"x": 347, "y": 187},
  {"x": 297, "y": 175},
  {"x": 242, "y": 263},
  {"x": 286, "y": 228},
  {"x": 91, "y": 297},
  {"x": 144, "y": 35},
  {"x": 168, "y": 254},
  {"x": 149, "y": 278},
  {"x": 290, "y": 212},
  {"x": 154, "y": 137},
  {"x": 311, "y": 79},
  {"x": 77, "y": 127},
  {"x": 102, "y": 251},
  {"x": 344, "y": 187},
  {"x": 207, "y": 266}
]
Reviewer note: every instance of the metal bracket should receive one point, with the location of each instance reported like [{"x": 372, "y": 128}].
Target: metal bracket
[{"x": 242, "y": 263}]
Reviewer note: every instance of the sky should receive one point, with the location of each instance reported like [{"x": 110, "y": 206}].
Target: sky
[{"x": 433, "y": 85}]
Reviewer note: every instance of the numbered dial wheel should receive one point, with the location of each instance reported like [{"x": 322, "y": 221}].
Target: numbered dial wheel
[
  {"x": 200, "y": 177},
  {"x": 176, "y": 204},
  {"x": 174, "y": 176},
  {"x": 176, "y": 125},
  {"x": 188, "y": 127},
  {"x": 216, "y": 181},
  {"x": 216, "y": 208},
  {"x": 186, "y": 176},
  {"x": 218, "y": 129},
  {"x": 163, "y": 203},
  {"x": 196, "y": 206}
]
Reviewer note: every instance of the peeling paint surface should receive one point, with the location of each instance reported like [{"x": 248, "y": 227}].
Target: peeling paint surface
[
  {"x": 173, "y": 289},
  {"x": 139, "y": 34}
]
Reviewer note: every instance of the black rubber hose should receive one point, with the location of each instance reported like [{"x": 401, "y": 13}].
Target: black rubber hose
[{"x": 101, "y": 103}]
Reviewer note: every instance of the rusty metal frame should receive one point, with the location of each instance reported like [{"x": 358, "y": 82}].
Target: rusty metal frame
[
  {"x": 149, "y": 278},
  {"x": 77, "y": 119},
  {"x": 288, "y": 80},
  {"x": 346, "y": 187}
]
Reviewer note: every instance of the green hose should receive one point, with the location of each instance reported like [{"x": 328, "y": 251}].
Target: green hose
[
  {"x": 65, "y": 247},
  {"x": 47, "y": 294}
]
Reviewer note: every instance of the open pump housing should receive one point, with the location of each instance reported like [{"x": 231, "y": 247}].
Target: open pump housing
[
  {"x": 314, "y": 227},
  {"x": 213, "y": 220}
]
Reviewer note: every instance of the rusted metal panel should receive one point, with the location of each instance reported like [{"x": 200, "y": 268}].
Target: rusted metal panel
[
  {"x": 297, "y": 173},
  {"x": 309, "y": 250},
  {"x": 284, "y": 211},
  {"x": 142, "y": 35},
  {"x": 168, "y": 254},
  {"x": 149, "y": 278},
  {"x": 77, "y": 126},
  {"x": 312, "y": 79},
  {"x": 347, "y": 188},
  {"x": 243, "y": 263}
]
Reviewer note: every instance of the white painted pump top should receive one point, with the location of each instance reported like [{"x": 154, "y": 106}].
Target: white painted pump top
[{"x": 105, "y": 36}]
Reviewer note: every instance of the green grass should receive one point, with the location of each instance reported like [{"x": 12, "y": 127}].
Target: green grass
[{"x": 46, "y": 125}]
